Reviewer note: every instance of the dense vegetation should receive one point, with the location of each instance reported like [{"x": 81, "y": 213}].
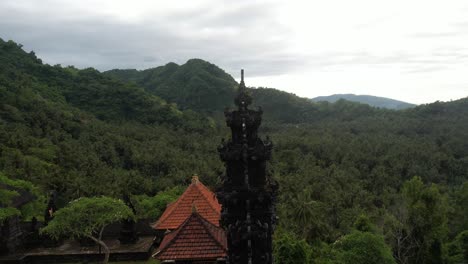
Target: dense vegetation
[
  {"x": 196, "y": 85},
  {"x": 354, "y": 179},
  {"x": 57, "y": 132},
  {"x": 10, "y": 199}
]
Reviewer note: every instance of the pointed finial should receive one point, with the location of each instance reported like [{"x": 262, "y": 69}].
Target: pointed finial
[
  {"x": 195, "y": 179},
  {"x": 242, "y": 99}
]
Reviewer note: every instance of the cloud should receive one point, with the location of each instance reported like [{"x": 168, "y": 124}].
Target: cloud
[
  {"x": 225, "y": 35},
  {"x": 435, "y": 35},
  {"x": 407, "y": 63},
  {"x": 388, "y": 48}
]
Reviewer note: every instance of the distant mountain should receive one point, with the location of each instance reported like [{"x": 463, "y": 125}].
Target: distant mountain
[
  {"x": 203, "y": 87},
  {"x": 197, "y": 85},
  {"x": 375, "y": 101}
]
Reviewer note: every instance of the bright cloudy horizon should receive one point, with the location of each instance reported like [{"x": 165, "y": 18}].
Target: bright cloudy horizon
[{"x": 415, "y": 51}]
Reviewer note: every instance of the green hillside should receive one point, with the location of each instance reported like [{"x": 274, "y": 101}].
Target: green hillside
[
  {"x": 196, "y": 85},
  {"x": 83, "y": 133},
  {"x": 181, "y": 85},
  {"x": 286, "y": 108}
]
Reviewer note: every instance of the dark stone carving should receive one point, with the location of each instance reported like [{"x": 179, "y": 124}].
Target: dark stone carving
[{"x": 248, "y": 193}]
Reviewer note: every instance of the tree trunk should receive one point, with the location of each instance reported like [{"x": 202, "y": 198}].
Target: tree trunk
[{"x": 106, "y": 249}]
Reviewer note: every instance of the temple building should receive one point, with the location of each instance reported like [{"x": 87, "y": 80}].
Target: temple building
[
  {"x": 195, "y": 241},
  {"x": 192, "y": 233},
  {"x": 196, "y": 194}
]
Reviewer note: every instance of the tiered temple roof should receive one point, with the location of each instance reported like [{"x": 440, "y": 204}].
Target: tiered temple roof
[
  {"x": 197, "y": 239},
  {"x": 197, "y": 195}
]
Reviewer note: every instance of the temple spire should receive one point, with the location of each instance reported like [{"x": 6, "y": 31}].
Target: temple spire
[
  {"x": 248, "y": 193},
  {"x": 242, "y": 76},
  {"x": 243, "y": 98}
]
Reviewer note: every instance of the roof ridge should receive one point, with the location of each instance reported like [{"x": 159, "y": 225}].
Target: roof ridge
[
  {"x": 168, "y": 207},
  {"x": 210, "y": 232},
  {"x": 173, "y": 205},
  {"x": 196, "y": 193},
  {"x": 176, "y": 235},
  {"x": 210, "y": 202},
  {"x": 206, "y": 225}
]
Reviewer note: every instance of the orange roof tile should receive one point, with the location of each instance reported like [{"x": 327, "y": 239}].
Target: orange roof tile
[
  {"x": 195, "y": 239},
  {"x": 196, "y": 194}
]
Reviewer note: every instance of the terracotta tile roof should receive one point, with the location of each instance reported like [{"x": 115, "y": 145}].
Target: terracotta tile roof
[
  {"x": 196, "y": 194},
  {"x": 195, "y": 239}
]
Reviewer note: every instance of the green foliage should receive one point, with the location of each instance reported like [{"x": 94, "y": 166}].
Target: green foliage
[
  {"x": 426, "y": 207},
  {"x": 427, "y": 219},
  {"x": 153, "y": 207},
  {"x": 288, "y": 249},
  {"x": 364, "y": 224},
  {"x": 24, "y": 78},
  {"x": 6, "y": 195},
  {"x": 34, "y": 208},
  {"x": 283, "y": 107},
  {"x": 27, "y": 211},
  {"x": 459, "y": 212},
  {"x": 84, "y": 134},
  {"x": 362, "y": 248},
  {"x": 19, "y": 184},
  {"x": 196, "y": 85},
  {"x": 85, "y": 217},
  {"x": 6, "y": 212},
  {"x": 458, "y": 249},
  {"x": 418, "y": 228}
]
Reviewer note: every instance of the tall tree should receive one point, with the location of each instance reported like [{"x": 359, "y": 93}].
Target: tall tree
[
  {"x": 420, "y": 224},
  {"x": 362, "y": 248},
  {"x": 87, "y": 217},
  {"x": 288, "y": 249}
]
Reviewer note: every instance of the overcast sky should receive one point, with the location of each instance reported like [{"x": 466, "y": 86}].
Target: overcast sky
[{"x": 411, "y": 50}]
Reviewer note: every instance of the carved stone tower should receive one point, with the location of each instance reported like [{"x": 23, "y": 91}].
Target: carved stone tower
[{"x": 247, "y": 194}]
